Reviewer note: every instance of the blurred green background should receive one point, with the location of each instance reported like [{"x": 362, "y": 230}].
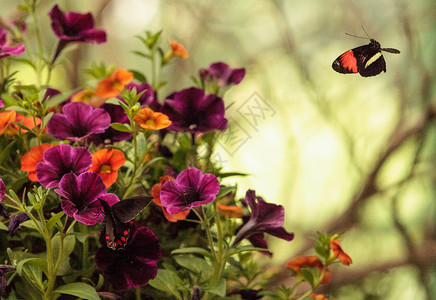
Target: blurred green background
[{"x": 342, "y": 153}]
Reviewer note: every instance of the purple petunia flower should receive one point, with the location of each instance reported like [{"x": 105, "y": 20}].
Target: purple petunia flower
[
  {"x": 15, "y": 223},
  {"x": 264, "y": 218},
  {"x": 192, "y": 111},
  {"x": 61, "y": 160},
  {"x": 78, "y": 121},
  {"x": 222, "y": 74},
  {"x": 2, "y": 189},
  {"x": 190, "y": 189},
  {"x": 110, "y": 135},
  {"x": 8, "y": 50},
  {"x": 80, "y": 194},
  {"x": 1, "y": 103},
  {"x": 135, "y": 265},
  {"x": 3, "y": 281}
]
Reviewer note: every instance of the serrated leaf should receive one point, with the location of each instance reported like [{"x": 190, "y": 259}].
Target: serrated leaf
[
  {"x": 192, "y": 250},
  {"x": 167, "y": 281},
  {"x": 121, "y": 127},
  {"x": 78, "y": 289}
]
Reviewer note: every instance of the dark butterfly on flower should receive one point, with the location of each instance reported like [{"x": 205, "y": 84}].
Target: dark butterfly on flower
[
  {"x": 117, "y": 217},
  {"x": 367, "y": 60}
]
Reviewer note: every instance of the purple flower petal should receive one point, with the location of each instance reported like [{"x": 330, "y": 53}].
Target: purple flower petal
[
  {"x": 80, "y": 194},
  {"x": 15, "y": 223},
  {"x": 9, "y": 50},
  {"x": 222, "y": 74},
  {"x": 2, "y": 189},
  {"x": 265, "y": 218},
  {"x": 75, "y": 27},
  {"x": 78, "y": 121},
  {"x": 61, "y": 160},
  {"x": 190, "y": 189},
  {"x": 135, "y": 265},
  {"x": 192, "y": 111}
]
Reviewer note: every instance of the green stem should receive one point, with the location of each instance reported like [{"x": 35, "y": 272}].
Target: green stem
[{"x": 85, "y": 253}]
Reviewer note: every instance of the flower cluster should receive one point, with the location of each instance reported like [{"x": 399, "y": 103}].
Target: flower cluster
[{"x": 81, "y": 166}]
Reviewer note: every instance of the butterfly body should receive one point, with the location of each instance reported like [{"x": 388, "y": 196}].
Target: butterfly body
[
  {"x": 367, "y": 60},
  {"x": 117, "y": 217}
]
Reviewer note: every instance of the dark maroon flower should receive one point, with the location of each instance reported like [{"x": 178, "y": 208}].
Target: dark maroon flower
[
  {"x": 2, "y": 189},
  {"x": 80, "y": 194},
  {"x": 148, "y": 98},
  {"x": 61, "y": 160},
  {"x": 246, "y": 294},
  {"x": 135, "y": 265},
  {"x": 15, "y": 223},
  {"x": 3, "y": 281},
  {"x": 8, "y": 50},
  {"x": 110, "y": 135},
  {"x": 3, "y": 212},
  {"x": 50, "y": 93},
  {"x": 264, "y": 218},
  {"x": 74, "y": 27},
  {"x": 192, "y": 111},
  {"x": 221, "y": 74},
  {"x": 190, "y": 189},
  {"x": 78, "y": 121}
]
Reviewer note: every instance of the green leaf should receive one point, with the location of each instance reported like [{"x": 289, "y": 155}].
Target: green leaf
[
  {"x": 78, "y": 289},
  {"x": 53, "y": 220},
  {"x": 17, "y": 109},
  {"x": 307, "y": 275},
  {"x": 229, "y": 174},
  {"x": 225, "y": 190},
  {"x": 195, "y": 264},
  {"x": 39, "y": 263},
  {"x": 21, "y": 125},
  {"x": 3, "y": 226},
  {"x": 218, "y": 289},
  {"x": 192, "y": 250},
  {"x": 121, "y": 127},
  {"x": 138, "y": 76},
  {"x": 68, "y": 245},
  {"x": 47, "y": 117},
  {"x": 167, "y": 281},
  {"x": 139, "y": 53},
  {"x": 6, "y": 151}
]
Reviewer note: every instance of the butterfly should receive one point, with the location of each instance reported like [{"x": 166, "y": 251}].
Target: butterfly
[
  {"x": 367, "y": 60},
  {"x": 117, "y": 217}
]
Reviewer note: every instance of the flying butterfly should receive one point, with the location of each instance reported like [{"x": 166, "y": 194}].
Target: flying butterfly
[
  {"x": 117, "y": 217},
  {"x": 367, "y": 60}
]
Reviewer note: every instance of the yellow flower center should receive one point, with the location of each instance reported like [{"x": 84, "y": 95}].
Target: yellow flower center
[
  {"x": 105, "y": 168},
  {"x": 150, "y": 122}
]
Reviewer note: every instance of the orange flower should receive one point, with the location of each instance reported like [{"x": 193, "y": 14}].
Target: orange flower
[
  {"x": 318, "y": 297},
  {"x": 231, "y": 211},
  {"x": 155, "y": 193},
  {"x": 339, "y": 253},
  {"x": 308, "y": 262},
  {"x": 146, "y": 118},
  {"x": 88, "y": 96},
  {"x": 178, "y": 50},
  {"x": 32, "y": 158},
  {"x": 10, "y": 128},
  {"x": 114, "y": 84},
  {"x": 106, "y": 163},
  {"x": 5, "y": 126}
]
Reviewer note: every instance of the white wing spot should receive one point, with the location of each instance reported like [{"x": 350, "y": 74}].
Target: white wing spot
[{"x": 373, "y": 59}]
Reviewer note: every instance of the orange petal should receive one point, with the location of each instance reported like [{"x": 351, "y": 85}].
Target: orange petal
[
  {"x": 32, "y": 158},
  {"x": 231, "y": 211},
  {"x": 180, "y": 216}
]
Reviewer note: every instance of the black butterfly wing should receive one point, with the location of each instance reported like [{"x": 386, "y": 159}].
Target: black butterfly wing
[
  {"x": 370, "y": 61},
  {"x": 117, "y": 217},
  {"x": 126, "y": 210}
]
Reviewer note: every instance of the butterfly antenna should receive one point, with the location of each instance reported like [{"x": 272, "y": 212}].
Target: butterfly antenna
[
  {"x": 359, "y": 37},
  {"x": 366, "y": 32}
]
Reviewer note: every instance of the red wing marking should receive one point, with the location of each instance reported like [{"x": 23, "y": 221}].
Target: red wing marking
[{"x": 349, "y": 61}]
